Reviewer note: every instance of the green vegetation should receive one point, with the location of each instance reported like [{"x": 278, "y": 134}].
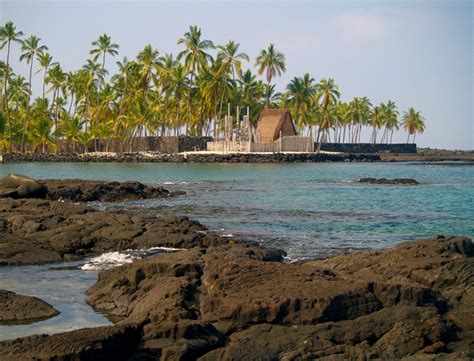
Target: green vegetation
[{"x": 164, "y": 95}]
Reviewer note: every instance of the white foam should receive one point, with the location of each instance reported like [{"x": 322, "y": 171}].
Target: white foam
[
  {"x": 117, "y": 258},
  {"x": 108, "y": 260}
]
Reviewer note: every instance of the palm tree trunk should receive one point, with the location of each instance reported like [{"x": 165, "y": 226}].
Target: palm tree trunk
[
  {"x": 267, "y": 101},
  {"x": 5, "y": 102},
  {"x": 27, "y": 110},
  {"x": 44, "y": 81},
  {"x": 188, "y": 101},
  {"x": 222, "y": 100}
]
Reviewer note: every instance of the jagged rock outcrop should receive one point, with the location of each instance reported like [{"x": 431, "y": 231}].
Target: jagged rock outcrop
[
  {"x": 79, "y": 190},
  {"x": 403, "y": 181},
  {"x": 18, "y": 309},
  {"x": 412, "y": 301},
  {"x": 18, "y": 186},
  {"x": 99, "y": 343},
  {"x": 36, "y": 231}
]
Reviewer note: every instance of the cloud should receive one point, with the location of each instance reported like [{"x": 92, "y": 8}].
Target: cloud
[{"x": 361, "y": 27}]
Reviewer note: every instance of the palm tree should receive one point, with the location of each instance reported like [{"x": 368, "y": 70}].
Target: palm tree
[
  {"x": 390, "y": 115},
  {"x": 301, "y": 91},
  {"x": 91, "y": 68},
  {"x": 30, "y": 48},
  {"x": 46, "y": 61},
  {"x": 56, "y": 77},
  {"x": 195, "y": 56},
  {"x": 147, "y": 59},
  {"x": 413, "y": 122},
  {"x": 230, "y": 61},
  {"x": 8, "y": 34},
  {"x": 272, "y": 62},
  {"x": 103, "y": 46},
  {"x": 18, "y": 93},
  {"x": 376, "y": 121},
  {"x": 147, "y": 96},
  {"x": 327, "y": 96},
  {"x": 179, "y": 84}
]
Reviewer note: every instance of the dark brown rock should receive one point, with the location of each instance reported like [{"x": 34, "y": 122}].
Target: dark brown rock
[
  {"x": 410, "y": 301},
  {"x": 403, "y": 181},
  {"x": 18, "y": 309},
  {"x": 229, "y": 301},
  {"x": 37, "y": 231},
  {"x": 78, "y": 190},
  {"x": 18, "y": 186},
  {"x": 100, "y": 343}
]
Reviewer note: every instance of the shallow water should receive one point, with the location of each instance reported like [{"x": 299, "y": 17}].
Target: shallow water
[
  {"x": 60, "y": 286},
  {"x": 63, "y": 285},
  {"x": 310, "y": 209}
]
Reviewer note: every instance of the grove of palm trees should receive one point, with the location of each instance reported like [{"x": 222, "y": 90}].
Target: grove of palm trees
[{"x": 166, "y": 95}]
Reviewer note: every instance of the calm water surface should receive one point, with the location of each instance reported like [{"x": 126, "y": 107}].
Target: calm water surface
[{"x": 310, "y": 210}]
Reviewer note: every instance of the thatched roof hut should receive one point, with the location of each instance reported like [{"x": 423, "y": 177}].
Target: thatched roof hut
[{"x": 273, "y": 121}]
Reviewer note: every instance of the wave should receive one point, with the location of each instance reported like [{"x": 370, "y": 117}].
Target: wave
[{"x": 117, "y": 258}]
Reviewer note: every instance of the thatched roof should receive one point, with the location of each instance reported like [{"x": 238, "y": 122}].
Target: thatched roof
[{"x": 273, "y": 121}]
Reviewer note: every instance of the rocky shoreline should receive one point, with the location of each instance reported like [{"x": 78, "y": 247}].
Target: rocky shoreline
[
  {"x": 156, "y": 157},
  {"x": 396, "y": 181},
  {"x": 223, "y": 299},
  {"x": 79, "y": 190},
  {"x": 422, "y": 155},
  {"x": 20, "y": 309}
]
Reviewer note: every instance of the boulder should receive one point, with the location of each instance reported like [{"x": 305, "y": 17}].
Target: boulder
[
  {"x": 36, "y": 231},
  {"x": 18, "y": 309},
  {"x": 412, "y": 301},
  {"x": 19, "y": 186},
  {"x": 99, "y": 343},
  {"x": 79, "y": 190},
  {"x": 403, "y": 181}
]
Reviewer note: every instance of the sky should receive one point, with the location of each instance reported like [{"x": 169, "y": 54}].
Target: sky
[{"x": 416, "y": 53}]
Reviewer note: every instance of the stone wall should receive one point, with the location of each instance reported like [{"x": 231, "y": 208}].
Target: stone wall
[
  {"x": 170, "y": 145},
  {"x": 190, "y": 158},
  {"x": 368, "y": 148}
]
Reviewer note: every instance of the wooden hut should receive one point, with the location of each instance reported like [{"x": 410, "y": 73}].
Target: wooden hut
[{"x": 272, "y": 123}]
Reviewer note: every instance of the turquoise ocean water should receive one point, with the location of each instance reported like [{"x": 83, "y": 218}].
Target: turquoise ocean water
[{"x": 309, "y": 210}]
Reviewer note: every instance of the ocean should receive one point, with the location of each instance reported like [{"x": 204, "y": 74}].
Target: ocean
[{"x": 308, "y": 209}]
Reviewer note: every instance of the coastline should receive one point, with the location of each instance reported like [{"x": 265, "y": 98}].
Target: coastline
[
  {"x": 423, "y": 155},
  {"x": 223, "y": 298}
]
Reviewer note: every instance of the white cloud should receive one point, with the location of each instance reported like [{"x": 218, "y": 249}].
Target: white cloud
[{"x": 361, "y": 27}]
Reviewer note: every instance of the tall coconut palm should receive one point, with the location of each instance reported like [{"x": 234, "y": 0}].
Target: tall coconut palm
[
  {"x": 272, "y": 62},
  {"x": 376, "y": 121},
  {"x": 195, "y": 56},
  {"x": 230, "y": 61},
  {"x": 30, "y": 47},
  {"x": 300, "y": 94},
  {"x": 327, "y": 96},
  {"x": 413, "y": 122},
  {"x": 8, "y": 34},
  {"x": 17, "y": 93},
  {"x": 92, "y": 69},
  {"x": 179, "y": 84},
  {"x": 45, "y": 61},
  {"x": 390, "y": 115},
  {"x": 148, "y": 60},
  {"x": 56, "y": 77},
  {"x": 101, "y": 47}
]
